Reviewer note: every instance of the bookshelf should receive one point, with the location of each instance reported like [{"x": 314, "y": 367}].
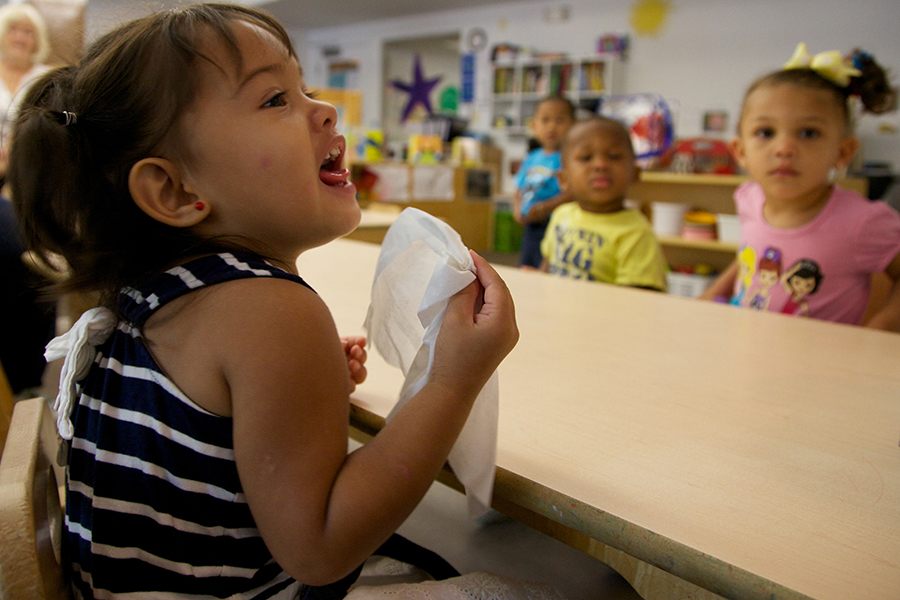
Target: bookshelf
[{"x": 519, "y": 84}]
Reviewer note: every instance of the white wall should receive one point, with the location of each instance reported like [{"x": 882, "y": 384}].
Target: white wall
[{"x": 704, "y": 59}]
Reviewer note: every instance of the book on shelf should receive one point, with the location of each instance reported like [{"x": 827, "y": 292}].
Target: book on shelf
[
  {"x": 592, "y": 77},
  {"x": 533, "y": 81}
]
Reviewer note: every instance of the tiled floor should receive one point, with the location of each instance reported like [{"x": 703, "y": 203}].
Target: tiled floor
[{"x": 502, "y": 545}]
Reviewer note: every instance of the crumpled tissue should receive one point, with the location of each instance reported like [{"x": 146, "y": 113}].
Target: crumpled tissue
[{"x": 423, "y": 262}]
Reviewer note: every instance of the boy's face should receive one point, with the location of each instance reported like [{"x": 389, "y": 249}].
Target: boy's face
[
  {"x": 552, "y": 121},
  {"x": 598, "y": 166}
]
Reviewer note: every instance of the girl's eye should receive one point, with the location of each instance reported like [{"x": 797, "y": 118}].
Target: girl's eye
[
  {"x": 311, "y": 94},
  {"x": 764, "y": 132},
  {"x": 276, "y": 101},
  {"x": 809, "y": 134}
]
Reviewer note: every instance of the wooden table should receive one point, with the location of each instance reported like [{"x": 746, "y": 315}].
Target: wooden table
[{"x": 753, "y": 455}]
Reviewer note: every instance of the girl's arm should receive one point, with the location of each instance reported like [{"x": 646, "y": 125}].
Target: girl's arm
[
  {"x": 723, "y": 286},
  {"x": 888, "y": 318},
  {"x": 321, "y": 511}
]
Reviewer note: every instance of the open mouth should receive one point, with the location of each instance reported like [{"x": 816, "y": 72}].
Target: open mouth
[{"x": 332, "y": 172}]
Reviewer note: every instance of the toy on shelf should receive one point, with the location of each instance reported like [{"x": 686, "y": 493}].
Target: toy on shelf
[
  {"x": 648, "y": 119},
  {"x": 371, "y": 146},
  {"x": 425, "y": 149},
  {"x": 700, "y": 155},
  {"x": 613, "y": 44}
]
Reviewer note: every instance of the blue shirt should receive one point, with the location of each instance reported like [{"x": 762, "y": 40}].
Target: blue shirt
[{"x": 537, "y": 178}]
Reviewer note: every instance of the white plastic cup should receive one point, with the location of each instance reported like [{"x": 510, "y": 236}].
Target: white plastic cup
[
  {"x": 668, "y": 218},
  {"x": 729, "y": 228}
]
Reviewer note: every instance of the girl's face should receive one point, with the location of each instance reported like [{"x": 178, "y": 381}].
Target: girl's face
[
  {"x": 790, "y": 138},
  {"x": 262, "y": 154},
  {"x": 768, "y": 278},
  {"x": 802, "y": 286},
  {"x": 20, "y": 41}
]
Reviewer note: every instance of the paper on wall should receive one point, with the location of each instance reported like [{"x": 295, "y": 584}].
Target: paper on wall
[{"x": 423, "y": 262}]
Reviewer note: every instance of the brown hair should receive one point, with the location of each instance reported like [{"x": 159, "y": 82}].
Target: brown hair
[
  {"x": 70, "y": 179},
  {"x": 567, "y": 104},
  {"x": 871, "y": 87}
]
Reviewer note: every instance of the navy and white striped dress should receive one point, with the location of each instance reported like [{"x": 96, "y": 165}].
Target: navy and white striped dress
[{"x": 154, "y": 506}]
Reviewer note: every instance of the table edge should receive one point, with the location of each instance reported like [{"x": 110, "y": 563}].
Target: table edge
[{"x": 716, "y": 576}]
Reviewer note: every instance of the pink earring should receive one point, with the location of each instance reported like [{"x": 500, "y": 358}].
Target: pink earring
[{"x": 199, "y": 205}]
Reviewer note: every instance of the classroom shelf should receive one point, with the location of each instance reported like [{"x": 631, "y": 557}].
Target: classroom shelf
[
  {"x": 519, "y": 85},
  {"x": 707, "y": 245}
]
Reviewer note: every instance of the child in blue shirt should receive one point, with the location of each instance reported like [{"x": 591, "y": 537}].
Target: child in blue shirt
[{"x": 538, "y": 191}]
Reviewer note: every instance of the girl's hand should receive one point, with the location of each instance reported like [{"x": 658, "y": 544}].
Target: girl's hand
[
  {"x": 478, "y": 331},
  {"x": 355, "y": 350}
]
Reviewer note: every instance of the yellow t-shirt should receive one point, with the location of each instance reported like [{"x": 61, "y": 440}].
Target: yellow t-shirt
[{"x": 617, "y": 247}]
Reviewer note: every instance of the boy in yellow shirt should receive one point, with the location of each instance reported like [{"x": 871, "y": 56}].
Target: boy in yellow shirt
[{"x": 596, "y": 237}]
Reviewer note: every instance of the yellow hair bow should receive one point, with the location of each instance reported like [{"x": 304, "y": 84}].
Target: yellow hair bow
[{"x": 830, "y": 65}]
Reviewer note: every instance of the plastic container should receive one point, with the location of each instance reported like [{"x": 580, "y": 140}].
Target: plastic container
[
  {"x": 688, "y": 285},
  {"x": 668, "y": 218},
  {"x": 728, "y": 228},
  {"x": 507, "y": 233}
]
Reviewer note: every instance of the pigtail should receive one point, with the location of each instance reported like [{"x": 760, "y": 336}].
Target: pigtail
[
  {"x": 44, "y": 169},
  {"x": 872, "y": 86},
  {"x": 81, "y": 129}
]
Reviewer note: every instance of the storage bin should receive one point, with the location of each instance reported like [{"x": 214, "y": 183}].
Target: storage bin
[
  {"x": 668, "y": 218},
  {"x": 729, "y": 228},
  {"x": 688, "y": 285}
]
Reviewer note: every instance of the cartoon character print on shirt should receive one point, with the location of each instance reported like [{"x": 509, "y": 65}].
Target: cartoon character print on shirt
[
  {"x": 537, "y": 177},
  {"x": 574, "y": 253},
  {"x": 746, "y": 269},
  {"x": 768, "y": 274},
  {"x": 799, "y": 282}
]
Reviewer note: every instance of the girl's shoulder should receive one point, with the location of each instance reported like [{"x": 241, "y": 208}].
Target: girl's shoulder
[
  {"x": 237, "y": 332},
  {"x": 138, "y": 305}
]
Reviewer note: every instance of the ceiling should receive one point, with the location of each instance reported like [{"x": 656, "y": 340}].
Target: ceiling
[{"x": 315, "y": 14}]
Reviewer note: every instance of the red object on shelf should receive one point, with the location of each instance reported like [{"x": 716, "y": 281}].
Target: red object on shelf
[{"x": 700, "y": 155}]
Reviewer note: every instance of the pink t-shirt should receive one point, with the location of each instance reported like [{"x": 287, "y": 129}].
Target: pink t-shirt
[{"x": 832, "y": 257}]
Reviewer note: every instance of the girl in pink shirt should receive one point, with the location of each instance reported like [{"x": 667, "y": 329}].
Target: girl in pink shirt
[{"x": 794, "y": 135}]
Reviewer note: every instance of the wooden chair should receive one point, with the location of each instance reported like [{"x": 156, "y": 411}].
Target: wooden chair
[
  {"x": 30, "y": 512},
  {"x": 7, "y": 402}
]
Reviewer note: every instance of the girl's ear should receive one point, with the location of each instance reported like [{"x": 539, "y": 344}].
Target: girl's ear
[
  {"x": 156, "y": 187},
  {"x": 846, "y": 152},
  {"x": 737, "y": 150}
]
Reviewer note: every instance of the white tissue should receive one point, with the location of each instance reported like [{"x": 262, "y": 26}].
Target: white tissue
[{"x": 423, "y": 262}]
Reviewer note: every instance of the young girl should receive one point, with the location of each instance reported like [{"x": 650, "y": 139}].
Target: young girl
[
  {"x": 181, "y": 168},
  {"x": 794, "y": 134}
]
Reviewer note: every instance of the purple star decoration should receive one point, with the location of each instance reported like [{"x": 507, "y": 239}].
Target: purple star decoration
[{"x": 418, "y": 90}]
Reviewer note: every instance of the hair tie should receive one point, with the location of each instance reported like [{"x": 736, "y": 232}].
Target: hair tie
[
  {"x": 830, "y": 65},
  {"x": 64, "y": 117}
]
